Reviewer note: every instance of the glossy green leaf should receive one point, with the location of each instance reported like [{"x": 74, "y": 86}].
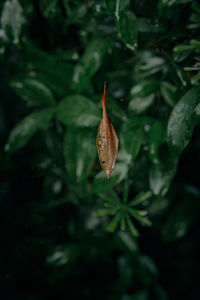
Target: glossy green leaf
[
  {"x": 116, "y": 7},
  {"x": 147, "y": 65},
  {"x": 161, "y": 176},
  {"x": 12, "y": 19},
  {"x": 127, "y": 27},
  {"x": 156, "y": 138},
  {"x": 138, "y": 105},
  {"x": 89, "y": 63},
  {"x": 33, "y": 91},
  {"x": 79, "y": 111},
  {"x": 145, "y": 88},
  {"x": 168, "y": 92},
  {"x": 50, "y": 69},
  {"x": 26, "y": 128},
  {"x": 180, "y": 125},
  {"x": 131, "y": 137},
  {"x": 79, "y": 152}
]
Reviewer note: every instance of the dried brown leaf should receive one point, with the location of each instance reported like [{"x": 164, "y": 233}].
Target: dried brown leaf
[{"x": 107, "y": 140}]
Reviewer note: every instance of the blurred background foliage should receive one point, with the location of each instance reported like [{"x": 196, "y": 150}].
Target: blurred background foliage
[{"x": 67, "y": 232}]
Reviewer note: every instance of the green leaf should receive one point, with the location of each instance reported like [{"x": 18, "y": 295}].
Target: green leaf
[
  {"x": 127, "y": 27},
  {"x": 150, "y": 28},
  {"x": 138, "y": 105},
  {"x": 116, "y": 7},
  {"x": 156, "y": 138},
  {"x": 140, "y": 198},
  {"x": 126, "y": 190},
  {"x": 128, "y": 241},
  {"x": 131, "y": 137},
  {"x": 181, "y": 121},
  {"x": 26, "y": 128},
  {"x": 145, "y": 88},
  {"x": 101, "y": 183},
  {"x": 132, "y": 228},
  {"x": 113, "y": 224},
  {"x": 147, "y": 65},
  {"x": 79, "y": 151},
  {"x": 122, "y": 222},
  {"x": 33, "y": 91},
  {"x": 141, "y": 219},
  {"x": 168, "y": 92},
  {"x": 90, "y": 62},
  {"x": 79, "y": 111},
  {"x": 161, "y": 176},
  {"x": 104, "y": 212},
  {"x": 12, "y": 19},
  {"x": 50, "y": 69},
  {"x": 180, "y": 219},
  {"x": 115, "y": 110}
]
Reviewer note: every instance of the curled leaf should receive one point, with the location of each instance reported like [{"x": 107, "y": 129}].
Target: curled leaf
[{"x": 107, "y": 140}]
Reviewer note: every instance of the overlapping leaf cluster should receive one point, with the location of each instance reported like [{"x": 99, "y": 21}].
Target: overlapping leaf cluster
[{"x": 55, "y": 57}]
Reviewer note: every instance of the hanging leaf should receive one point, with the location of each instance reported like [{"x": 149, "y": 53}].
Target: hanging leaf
[
  {"x": 26, "y": 128},
  {"x": 181, "y": 121},
  {"x": 107, "y": 140}
]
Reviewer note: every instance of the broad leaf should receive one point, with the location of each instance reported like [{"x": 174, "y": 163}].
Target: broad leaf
[
  {"x": 138, "y": 105},
  {"x": 90, "y": 62},
  {"x": 79, "y": 111},
  {"x": 131, "y": 138},
  {"x": 12, "y": 19},
  {"x": 127, "y": 27},
  {"x": 145, "y": 88},
  {"x": 168, "y": 91},
  {"x": 181, "y": 121},
  {"x": 161, "y": 176},
  {"x": 26, "y": 128},
  {"x": 79, "y": 152},
  {"x": 33, "y": 91}
]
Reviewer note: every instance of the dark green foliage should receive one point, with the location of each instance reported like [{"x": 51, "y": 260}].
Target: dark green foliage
[{"x": 67, "y": 232}]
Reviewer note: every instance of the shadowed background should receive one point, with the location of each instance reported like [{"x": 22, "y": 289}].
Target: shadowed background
[{"x": 67, "y": 232}]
